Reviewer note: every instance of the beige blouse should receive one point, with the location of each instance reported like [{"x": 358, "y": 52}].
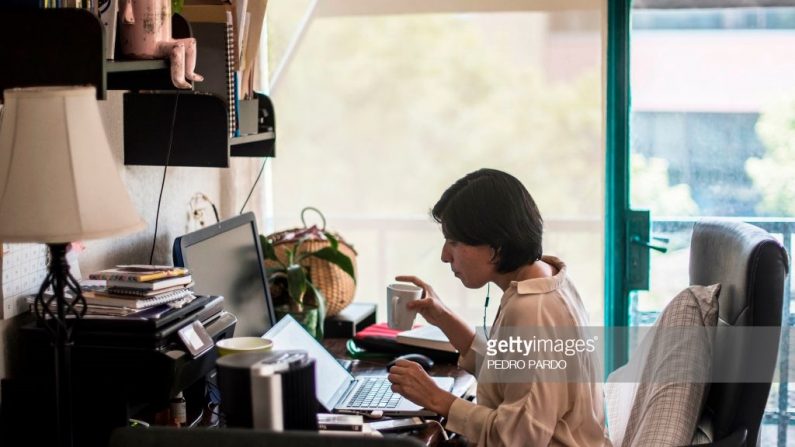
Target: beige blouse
[{"x": 537, "y": 413}]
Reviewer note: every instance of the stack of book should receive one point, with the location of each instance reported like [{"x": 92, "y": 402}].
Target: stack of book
[{"x": 139, "y": 286}]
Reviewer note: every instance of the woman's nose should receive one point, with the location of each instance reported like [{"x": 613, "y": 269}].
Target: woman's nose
[{"x": 446, "y": 258}]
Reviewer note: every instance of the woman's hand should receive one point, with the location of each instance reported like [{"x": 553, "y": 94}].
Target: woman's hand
[
  {"x": 412, "y": 382},
  {"x": 436, "y": 313},
  {"x": 430, "y": 307}
]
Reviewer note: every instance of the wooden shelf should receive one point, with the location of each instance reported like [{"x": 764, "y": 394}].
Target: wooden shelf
[{"x": 125, "y": 66}]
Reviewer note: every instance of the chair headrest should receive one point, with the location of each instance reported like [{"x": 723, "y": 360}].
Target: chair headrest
[{"x": 742, "y": 258}]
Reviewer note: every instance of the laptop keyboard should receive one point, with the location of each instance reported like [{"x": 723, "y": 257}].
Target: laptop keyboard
[{"x": 374, "y": 393}]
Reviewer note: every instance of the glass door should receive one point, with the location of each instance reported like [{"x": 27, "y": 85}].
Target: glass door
[{"x": 710, "y": 134}]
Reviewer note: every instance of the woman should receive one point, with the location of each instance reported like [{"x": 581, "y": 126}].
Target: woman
[{"x": 492, "y": 231}]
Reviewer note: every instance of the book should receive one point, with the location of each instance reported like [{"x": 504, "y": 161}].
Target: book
[
  {"x": 136, "y": 303},
  {"x": 215, "y": 40},
  {"x": 133, "y": 292},
  {"x": 138, "y": 273},
  {"x": 158, "y": 284},
  {"x": 380, "y": 338},
  {"x": 430, "y": 337}
]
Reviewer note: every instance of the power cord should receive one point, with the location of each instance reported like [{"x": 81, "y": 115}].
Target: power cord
[
  {"x": 262, "y": 168},
  {"x": 444, "y": 432},
  {"x": 165, "y": 170}
]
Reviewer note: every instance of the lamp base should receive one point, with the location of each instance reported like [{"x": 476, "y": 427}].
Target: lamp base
[{"x": 56, "y": 313}]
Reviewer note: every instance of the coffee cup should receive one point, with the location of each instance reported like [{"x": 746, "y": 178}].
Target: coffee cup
[
  {"x": 237, "y": 345},
  {"x": 397, "y": 296}
]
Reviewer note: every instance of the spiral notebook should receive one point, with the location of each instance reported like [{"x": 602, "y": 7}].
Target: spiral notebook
[{"x": 133, "y": 302}]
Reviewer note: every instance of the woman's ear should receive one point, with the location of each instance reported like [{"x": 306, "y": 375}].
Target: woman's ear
[{"x": 495, "y": 255}]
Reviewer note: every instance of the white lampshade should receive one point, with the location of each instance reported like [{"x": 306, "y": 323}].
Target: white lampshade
[{"x": 58, "y": 181}]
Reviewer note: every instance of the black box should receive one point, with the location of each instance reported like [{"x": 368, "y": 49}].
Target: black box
[{"x": 350, "y": 320}]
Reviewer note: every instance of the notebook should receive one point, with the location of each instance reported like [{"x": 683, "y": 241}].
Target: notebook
[
  {"x": 430, "y": 337},
  {"x": 133, "y": 302},
  {"x": 337, "y": 390}
]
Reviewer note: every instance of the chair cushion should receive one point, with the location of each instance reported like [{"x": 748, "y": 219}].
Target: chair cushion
[{"x": 656, "y": 398}]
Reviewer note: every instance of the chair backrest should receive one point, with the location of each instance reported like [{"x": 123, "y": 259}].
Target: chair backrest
[{"x": 751, "y": 267}]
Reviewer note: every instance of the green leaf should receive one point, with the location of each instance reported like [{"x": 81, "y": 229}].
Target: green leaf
[
  {"x": 267, "y": 248},
  {"x": 296, "y": 283},
  {"x": 337, "y": 258},
  {"x": 333, "y": 240},
  {"x": 321, "y": 309}
]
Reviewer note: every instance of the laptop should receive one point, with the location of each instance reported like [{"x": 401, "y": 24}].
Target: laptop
[{"x": 337, "y": 390}]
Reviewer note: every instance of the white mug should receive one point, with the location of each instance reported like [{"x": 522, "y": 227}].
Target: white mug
[{"x": 397, "y": 296}]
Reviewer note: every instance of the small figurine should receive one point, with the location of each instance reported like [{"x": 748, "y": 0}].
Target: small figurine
[{"x": 146, "y": 34}]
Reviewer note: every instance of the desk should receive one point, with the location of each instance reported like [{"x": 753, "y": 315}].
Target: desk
[{"x": 430, "y": 435}]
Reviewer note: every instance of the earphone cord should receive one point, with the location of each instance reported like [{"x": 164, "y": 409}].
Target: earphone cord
[{"x": 486, "y": 306}]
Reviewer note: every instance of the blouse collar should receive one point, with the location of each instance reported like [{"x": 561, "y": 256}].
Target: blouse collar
[{"x": 543, "y": 285}]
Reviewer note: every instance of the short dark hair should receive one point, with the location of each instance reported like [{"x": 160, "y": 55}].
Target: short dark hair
[{"x": 491, "y": 207}]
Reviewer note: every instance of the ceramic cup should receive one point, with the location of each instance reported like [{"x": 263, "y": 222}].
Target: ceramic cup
[
  {"x": 237, "y": 345},
  {"x": 397, "y": 296}
]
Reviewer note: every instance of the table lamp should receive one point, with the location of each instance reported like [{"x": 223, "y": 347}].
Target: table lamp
[{"x": 58, "y": 184}]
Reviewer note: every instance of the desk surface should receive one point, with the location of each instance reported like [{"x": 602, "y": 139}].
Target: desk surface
[{"x": 431, "y": 434}]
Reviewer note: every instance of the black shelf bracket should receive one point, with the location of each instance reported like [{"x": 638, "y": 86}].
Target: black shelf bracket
[
  {"x": 263, "y": 143},
  {"x": 200, "y": 129}
]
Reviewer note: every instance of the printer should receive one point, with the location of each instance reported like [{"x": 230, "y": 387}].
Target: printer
[{"x": 122, "y": 368}]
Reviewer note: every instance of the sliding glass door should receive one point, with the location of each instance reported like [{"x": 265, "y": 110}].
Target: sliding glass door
[{"x": 710, "y": 134}]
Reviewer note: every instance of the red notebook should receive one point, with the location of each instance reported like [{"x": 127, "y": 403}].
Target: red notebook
[{"x": 380, "y": 337}]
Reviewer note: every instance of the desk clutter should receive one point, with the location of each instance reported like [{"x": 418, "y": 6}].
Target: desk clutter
[{"x": 143, "y": 345}]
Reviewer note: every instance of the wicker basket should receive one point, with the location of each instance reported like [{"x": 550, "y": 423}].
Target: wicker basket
[{"x": 336, "y": 285}]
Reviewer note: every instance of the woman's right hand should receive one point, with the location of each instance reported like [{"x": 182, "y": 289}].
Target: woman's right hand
[
  {"x": 436, "y": 313},
  {"x": 430, "y": 307}
]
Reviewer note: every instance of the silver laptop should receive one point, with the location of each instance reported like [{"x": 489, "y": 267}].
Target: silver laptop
[{"x": 337, "y": 390}]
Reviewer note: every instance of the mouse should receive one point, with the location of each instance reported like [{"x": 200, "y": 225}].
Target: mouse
[{"x": 423, "y": 360}]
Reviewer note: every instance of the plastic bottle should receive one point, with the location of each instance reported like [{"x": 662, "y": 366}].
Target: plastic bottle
[{"x": 179, "y": 415}]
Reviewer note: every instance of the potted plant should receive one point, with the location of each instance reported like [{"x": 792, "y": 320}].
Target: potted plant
[{"x": 292, "y": 288}]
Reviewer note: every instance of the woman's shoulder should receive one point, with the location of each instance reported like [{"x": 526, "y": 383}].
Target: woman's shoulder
[{"x": 551, "y": 308}]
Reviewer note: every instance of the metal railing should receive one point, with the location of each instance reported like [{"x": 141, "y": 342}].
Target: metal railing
[{"x": 779, "y": 412}]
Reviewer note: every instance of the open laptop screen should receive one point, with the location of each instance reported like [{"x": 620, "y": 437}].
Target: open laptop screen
[
  {"x": 226, "y": 259},
  {"x": 289, "y": 334}
]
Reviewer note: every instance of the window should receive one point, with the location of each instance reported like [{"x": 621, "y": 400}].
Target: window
[{"x": 380, "y": 111}]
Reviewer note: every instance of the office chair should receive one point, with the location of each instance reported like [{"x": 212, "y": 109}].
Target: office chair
[
  {"x": 240, "y": 437},
  {"x": 751, "y": 267}
]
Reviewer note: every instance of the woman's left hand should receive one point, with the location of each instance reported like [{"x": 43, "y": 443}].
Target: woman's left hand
[{"x": 412, "y": 382}]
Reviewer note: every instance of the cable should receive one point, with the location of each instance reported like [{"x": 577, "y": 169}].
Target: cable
[
  {"x": 444, "y": 432},
  {"x": 255, "y": 184},
  {"x": 165, "y": 170},
  {"x": 485, "y": 307}
]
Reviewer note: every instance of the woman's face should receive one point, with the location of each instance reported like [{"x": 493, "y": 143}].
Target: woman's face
[{"x": 472, "y": 264}]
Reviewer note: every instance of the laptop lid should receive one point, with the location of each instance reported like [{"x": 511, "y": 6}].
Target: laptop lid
[
  {"x": 337, "y": 382},
  {"x": 289, "y": 334}
]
